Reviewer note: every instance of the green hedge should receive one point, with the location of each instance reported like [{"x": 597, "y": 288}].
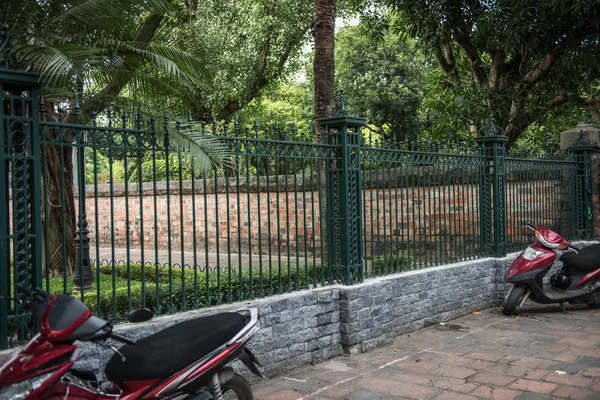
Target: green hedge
[
  {"x": 130, "y": 293},
  {"x": 391, "y": 263},
  {"x": 210, "y": 291}
]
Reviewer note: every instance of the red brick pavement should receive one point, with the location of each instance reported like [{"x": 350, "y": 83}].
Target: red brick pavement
[{"x": 541, "y": 354}]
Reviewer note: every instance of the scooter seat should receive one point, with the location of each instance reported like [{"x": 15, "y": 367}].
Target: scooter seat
[
  {"x": 587, "y": 260},
  {"x": 168, "y": 351}
]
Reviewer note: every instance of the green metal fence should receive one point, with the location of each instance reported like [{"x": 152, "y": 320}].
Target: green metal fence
[{"x": 110, "y": 210}]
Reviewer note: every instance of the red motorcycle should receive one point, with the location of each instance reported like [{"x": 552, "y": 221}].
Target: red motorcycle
[
  {"x": 185, "y": 361},
  {"x": 576, "y": 282}
]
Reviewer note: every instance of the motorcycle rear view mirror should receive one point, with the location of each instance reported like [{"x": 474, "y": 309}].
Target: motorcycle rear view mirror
[{"x": 140, "y": 315}]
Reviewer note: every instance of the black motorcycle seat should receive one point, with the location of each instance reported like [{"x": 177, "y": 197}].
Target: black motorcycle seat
[
  {"x": 168, "y": 351},
  {"x": 587, "y": 260}
]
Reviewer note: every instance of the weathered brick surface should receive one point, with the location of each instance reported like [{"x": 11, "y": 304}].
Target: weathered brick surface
[{"x": 426, "y": 222}]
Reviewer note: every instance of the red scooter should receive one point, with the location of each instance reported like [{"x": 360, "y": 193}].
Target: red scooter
[
  {"x": 185, "y": 361},
  {"x": 577, "y": 281}
]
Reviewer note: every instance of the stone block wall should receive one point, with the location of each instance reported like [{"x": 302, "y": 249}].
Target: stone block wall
[{"x": 311, "y": 326}]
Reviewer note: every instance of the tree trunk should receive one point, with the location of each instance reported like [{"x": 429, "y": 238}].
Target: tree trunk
[
  {"x": 324, "y": 91},
  {"x": 58, "y": 208},
  {"x": 324, "y": 61}
]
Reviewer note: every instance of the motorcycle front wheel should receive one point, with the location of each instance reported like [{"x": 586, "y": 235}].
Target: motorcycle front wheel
[
  {"x": 509, "y": 305},
  {"x": 237, "y": 388}
]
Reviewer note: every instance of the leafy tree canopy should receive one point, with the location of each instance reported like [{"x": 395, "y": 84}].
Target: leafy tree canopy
[
  {"x": 383, "y": 79},
  {"x": 516, "y": 60}
]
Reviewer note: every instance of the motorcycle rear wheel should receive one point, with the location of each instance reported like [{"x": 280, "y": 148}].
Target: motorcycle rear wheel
[
  {"x": 509, "y": 306},
  {"x": 237, "y": 388}
]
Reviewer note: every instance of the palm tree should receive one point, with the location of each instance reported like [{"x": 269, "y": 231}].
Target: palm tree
[
  {"x": 324, "y": 61},
  {"x": 105, "y": 51}
]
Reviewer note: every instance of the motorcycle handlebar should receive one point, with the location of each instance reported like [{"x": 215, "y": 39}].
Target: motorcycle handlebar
[{"x": 529, "y": 225}]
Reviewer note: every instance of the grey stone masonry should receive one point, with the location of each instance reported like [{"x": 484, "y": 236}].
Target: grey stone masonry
[{"x": 311, "y": 326}]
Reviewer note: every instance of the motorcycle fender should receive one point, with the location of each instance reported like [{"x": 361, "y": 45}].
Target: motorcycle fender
[
  {"x": 521, "y": 266},
  {"x": 250, "y": 361}
]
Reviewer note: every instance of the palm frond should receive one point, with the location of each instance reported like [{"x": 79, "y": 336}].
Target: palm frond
[
  {"x": 102, "y": 13},
  {"x": 208, "y": 152}
]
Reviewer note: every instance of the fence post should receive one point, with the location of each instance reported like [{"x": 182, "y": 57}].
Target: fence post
[
  {"x": 492, "y": 198},
  {"x": 582, "y": 150},
  {"x": 20, "y": 176},
  {"x": 344, "y": 230}
]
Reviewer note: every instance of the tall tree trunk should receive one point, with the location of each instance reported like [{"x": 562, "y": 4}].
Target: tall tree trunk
[
  {"x": 324, "y": 91},
  {"x": 324, "y": 61}
]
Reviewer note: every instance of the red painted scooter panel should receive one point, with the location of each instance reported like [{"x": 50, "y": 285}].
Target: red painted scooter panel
[
  {"x": 551, "y": 239},
  {"x": 521, "y": 265},
  {"x": 63, "y": 334},
  {"x": 589, "y": 277},
  {"x": 29, "y": 361}
]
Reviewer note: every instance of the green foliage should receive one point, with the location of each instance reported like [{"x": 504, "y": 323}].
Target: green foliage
[
  {"x": 286, "y": 104},
  {"x": 383, "y": 80},
  {"x": 212, "y": 287},
  {"x": 515, "y": 60},
  {"x": 391, "y": 263}
]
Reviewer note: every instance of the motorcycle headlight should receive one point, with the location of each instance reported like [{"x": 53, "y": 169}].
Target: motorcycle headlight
[
  {"x": 20, "y": 390},
  {"x": 531, "y": 254}
]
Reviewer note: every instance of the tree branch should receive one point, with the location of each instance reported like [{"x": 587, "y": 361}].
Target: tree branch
[
  {"x": 445, "y": 58},
  {"x": 235, "y": 104},
  {"x": 464, "y": 41},
  {"x": 497, "y": 67},
  {"x": 544, "y": 67},
  {"x": 591, "y": 105}
]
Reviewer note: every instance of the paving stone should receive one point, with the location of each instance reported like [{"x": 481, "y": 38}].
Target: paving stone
[
  {"x": 486, "y": 355},
  {"x": 568, "y": 379},
  {"x": 339, "y": 391},
  {"x": 283, "y": 395},
  {"x": 591, "y": 372},
  {"x": 564, "y": 392},
  {"x": 533, "y": 386},
  {"x": 453, "y": 371},
  {"x": 454, "y": 396},
  {"x": 369, "y": 395},
  {"x": 491, "y": 379},
  {"x": 586, "y": 395},
  {"x": 456, "y": 385},
  {"x": 533, "y": 396}
]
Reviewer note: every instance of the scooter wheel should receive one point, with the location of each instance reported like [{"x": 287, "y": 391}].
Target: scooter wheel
[
  {"x": 509, "y": 306},
  {"x": 237, "y": 388}
]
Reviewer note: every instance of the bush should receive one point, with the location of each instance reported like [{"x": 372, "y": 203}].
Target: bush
[
  {"x": 390, "y": 263},
  {"x": 211, "y": 290},
  {"x": 131, "y": 291}
]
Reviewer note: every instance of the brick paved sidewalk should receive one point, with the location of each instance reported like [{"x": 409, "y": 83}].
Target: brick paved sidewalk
[{"x": 542, "y": 354}]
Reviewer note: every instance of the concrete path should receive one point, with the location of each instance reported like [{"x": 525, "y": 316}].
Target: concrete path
[{"x": 541, "y": 354}]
